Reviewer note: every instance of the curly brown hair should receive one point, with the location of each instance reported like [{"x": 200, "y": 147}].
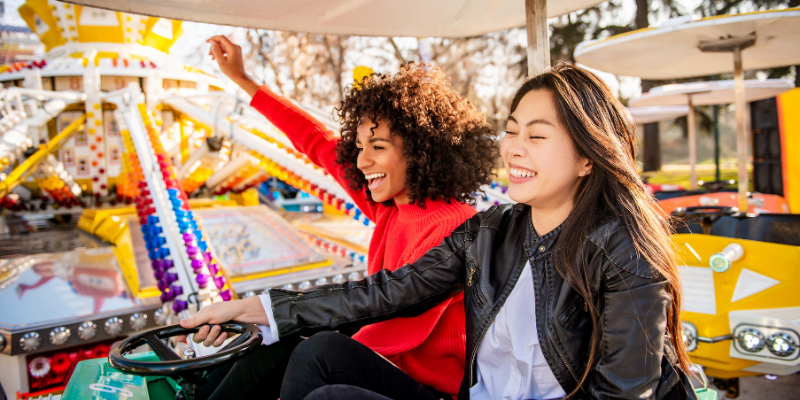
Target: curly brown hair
[{"x": 447, "y": 142}]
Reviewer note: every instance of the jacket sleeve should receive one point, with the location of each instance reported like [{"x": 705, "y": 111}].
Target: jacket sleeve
[
  {"x": 405, "y": 292},
  {"x": 311, "y": 138},
  {"x": 635, "y": 303}
]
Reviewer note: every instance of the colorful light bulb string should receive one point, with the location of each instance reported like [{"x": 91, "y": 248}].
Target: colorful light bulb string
[
  {"x": 197, "y": 248},
  {"x": 299, "y": 183},
  {"x": 153, "y": 233}
]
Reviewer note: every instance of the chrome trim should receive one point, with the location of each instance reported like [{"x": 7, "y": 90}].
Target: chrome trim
[{"x": 714, "y": 339}]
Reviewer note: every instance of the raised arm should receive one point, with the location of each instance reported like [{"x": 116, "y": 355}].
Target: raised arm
[{"x": 308, "y": 135}]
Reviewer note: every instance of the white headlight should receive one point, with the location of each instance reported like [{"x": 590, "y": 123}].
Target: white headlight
[
  {"x": 781, "y": 344},
  {"x": 689, "y": 335},
  {"x": 751, "y": 340}
]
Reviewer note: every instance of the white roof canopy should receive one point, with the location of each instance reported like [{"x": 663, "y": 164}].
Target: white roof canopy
[
  {"x": 673, "y": 49},
  {"x": 415, "y": 18},
  {"x": 646, "y": 115},
  {"x": 710, "y": 93}
]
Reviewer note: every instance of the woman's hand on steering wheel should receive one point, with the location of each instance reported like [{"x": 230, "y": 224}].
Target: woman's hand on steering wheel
[
  {"x": 248, "y": 310},
  {"x": 229, "y": 58}
]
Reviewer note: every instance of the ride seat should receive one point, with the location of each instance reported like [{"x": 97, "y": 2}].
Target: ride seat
[{"x": 770, "y": 228}]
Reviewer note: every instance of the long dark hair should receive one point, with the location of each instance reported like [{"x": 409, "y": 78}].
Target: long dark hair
[{"x": 603, "y": 131}]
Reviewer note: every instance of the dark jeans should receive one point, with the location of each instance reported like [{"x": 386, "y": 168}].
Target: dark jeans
[
  {"x": 344, "y": 392},
  {"x": 257, "y": 376},
  {"x": 330, "y": 358}
]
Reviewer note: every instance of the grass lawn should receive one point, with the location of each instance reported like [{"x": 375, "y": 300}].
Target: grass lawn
[{"x": 680, "y": 176}]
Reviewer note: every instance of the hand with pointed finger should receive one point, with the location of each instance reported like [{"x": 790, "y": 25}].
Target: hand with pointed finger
[
  {"x": 229, "y": 58},
  {"x": 248, "y": 310}
]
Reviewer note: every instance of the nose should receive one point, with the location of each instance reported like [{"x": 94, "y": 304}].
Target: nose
[
  {"x": 363, "y": 160},
  {"x": 514, "y": 146}
]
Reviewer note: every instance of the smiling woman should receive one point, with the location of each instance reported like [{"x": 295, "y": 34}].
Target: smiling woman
[
  {"x": 411, "y": 154},
  {"x": 446, "y": 142}
]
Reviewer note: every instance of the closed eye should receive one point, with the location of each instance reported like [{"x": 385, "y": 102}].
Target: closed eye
[
  {"x": 507, "y": 132},
  {"x": 537, "y": 137}
]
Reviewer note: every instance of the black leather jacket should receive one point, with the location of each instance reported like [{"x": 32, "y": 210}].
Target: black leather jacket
[{"x": 485, "y": 257}]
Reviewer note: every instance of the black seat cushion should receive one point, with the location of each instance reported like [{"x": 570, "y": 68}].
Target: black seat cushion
[{"x": 770, "y": 228}]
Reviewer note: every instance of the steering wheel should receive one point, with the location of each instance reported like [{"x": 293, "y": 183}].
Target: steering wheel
[
  {"x": 188, "y": 369},
  {"x": 707, "y": 214},
  {"x": 705, "y": 211}
]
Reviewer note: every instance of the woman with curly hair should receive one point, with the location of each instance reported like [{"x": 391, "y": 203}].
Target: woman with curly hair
[{"x": 411, "y": 153}]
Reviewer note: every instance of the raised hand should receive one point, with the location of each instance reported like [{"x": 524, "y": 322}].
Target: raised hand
[
  {"x": 229, "y": 58},
  {"x": 248, "y": 310}
]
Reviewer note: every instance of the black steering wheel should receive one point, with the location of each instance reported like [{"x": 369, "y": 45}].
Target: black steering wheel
[
  {"x": 705, "y": 211},
  {"x": 707, "y": 214},
  {"x": 188, "y": 370}
]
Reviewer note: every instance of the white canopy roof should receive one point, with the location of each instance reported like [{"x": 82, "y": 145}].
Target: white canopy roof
[
  {"x": 646, "y": 115},
  {"x": 671, "y": 50},
  {"x": 416, "y": 18},
  {"x": 710, "y": 93}
]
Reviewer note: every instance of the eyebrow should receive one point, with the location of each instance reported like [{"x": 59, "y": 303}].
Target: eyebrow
[
  {"x": 373, "y": 140},
  {"x": 532, "y": 122}
]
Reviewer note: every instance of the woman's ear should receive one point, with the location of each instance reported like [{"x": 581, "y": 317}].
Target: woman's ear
[{"x": 585, "y": 166}]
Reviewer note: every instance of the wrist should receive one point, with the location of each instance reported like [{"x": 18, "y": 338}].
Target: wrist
[{"x": 254, "y": 312}]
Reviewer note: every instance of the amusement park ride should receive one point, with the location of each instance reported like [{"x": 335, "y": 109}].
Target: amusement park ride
[
  {"x": 160, "y": 167},
  {"x": 165, "y": 173}
]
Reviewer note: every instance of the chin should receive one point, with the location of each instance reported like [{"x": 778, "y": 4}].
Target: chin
[{"x": 519, "y": 194}]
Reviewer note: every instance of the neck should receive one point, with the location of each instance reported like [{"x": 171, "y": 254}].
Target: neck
[
  {"x": 401, "y": 198},
  {"x": 545, "y": 219}
]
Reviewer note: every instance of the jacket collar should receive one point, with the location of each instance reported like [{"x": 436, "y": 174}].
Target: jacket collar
[{"x": 538, "y": 246}]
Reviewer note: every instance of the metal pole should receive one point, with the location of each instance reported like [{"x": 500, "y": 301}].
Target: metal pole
[
  {"x": 692, "y": 144},
  {"x": 717, "y": 175},
  {"x": 741, "y": 135},
  {"x": 538, "y": 37}
]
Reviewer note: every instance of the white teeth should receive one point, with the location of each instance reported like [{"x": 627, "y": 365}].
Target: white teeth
[
  {"x": 370, "y": 177},
  {"x": 521, "y": 173}
]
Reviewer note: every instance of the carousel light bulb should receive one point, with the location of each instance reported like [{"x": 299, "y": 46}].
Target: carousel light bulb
[
  {"x": 87, "y": 330},
  {"x": 304, "y": 285},
  {"x": 60, "y": 335},
  {"x": 160, "y": 317},
  {"x": 39, "y": 367},
  {"x": 287, "y": 286},
  {"x": 2, "y": 342},
  {"x": 339, "y": 278},
  {"x": 353, "y": 276},
  {"x": 113, "y": 326},
  {"x": 138, "y": 321},
  {"x": 30, "y": 341},
  {"x": 321, "y": 281}
]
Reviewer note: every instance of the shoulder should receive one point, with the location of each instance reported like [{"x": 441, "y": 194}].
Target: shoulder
[
  {"x": 496, "y": 218},
  {"x": 615, "y": 244}
]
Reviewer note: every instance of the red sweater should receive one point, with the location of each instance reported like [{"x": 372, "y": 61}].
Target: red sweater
[{"x": 430, "y": 347}]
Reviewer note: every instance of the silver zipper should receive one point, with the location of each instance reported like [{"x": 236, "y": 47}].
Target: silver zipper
[
  {"x": 475, "y": 352},
  {"x": 562, "y": 358}
]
